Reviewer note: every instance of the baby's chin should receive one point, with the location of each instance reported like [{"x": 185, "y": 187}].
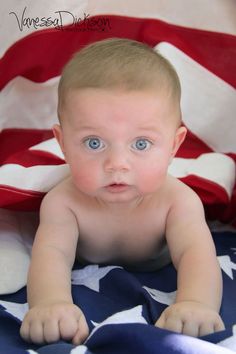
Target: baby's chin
[{"x": 119, "y": 195}]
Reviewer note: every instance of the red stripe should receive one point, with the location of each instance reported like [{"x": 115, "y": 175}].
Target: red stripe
[
  {"x": 14, "y": 145},
  {"x": 18, "y": 199},
  {"x": 192, "y": 147},
  {"x": 33, "y": 158},
  {"x": 209, "y": 191},
  {"x": 41, "y": 55},
  {"x": 214, "y": 198}
]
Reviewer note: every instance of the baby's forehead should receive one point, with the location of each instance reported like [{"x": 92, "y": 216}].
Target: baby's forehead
[
  {"x": 89, "y": 97},
  {"x": 143, "y": 105},
  {"x": 90, "y": 94}
]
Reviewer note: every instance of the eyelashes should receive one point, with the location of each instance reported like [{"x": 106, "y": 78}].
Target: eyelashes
[
  {"x": 142, "y": 144},
  {"x": 94, "y": 144}
]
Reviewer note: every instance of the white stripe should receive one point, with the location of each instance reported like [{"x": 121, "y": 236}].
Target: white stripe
[
  {"x": 36, "y": 178},
  {"x": 25, "y": 104},
  {"x": 208, "y": 103},
  {"x": 50, "y": 146},
  {"x": 214, "y": 167}
]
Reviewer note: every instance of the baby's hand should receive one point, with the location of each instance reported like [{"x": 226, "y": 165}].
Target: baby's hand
[
  {"x": 49, "y": 323},
  {"x": 191, "y": 318}
]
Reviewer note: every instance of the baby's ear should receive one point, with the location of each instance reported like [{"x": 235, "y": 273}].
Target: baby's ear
[
  {"x": 179, "y": 138},
  {"x": 57, "y": 131}
]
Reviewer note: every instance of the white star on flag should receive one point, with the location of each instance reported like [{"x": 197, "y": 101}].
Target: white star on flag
[
  {"x": 161, "y": 296},
  {"x": 90, "y": 276},
  {"x": 133, "y": 315},
  {"x": 227, "y": 266},
  {"x": 15, "y": 309}
]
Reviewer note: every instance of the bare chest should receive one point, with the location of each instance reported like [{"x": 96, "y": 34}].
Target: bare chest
[{"x": 122, "y": 238}]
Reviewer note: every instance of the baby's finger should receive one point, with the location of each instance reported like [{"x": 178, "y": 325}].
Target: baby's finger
[
  {"x": 174, "y": 324},
  {"x": 161, "y": 321},
  {"x": 82, "y": 332},
  {"x": 68, "y": 327},
  {"x": 51, "y": 331},
  {"x": 191, "y": 329},
  {"x": 205, "y": 329},
  {"x": 80, "y": 336},
  {"x": 219, "y": 326},
  {"x": 170, "y": 323},
  {"x": 24, "y": 331},
  {"x": 36, "y": 333}
]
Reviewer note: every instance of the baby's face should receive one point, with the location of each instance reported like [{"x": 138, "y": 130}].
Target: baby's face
[{"x": 118, "y": 144}]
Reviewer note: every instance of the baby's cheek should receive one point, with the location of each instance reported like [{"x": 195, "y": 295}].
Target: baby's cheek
[
  {"x": 152, "y": 179},
  {"x": 85, "y": 180}
]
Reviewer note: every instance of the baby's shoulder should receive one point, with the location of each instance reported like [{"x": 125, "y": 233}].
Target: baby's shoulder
[
  {"x": 180, "y": 192},
  {"x": 186, "y": 206},
  {"x": 65, "y": 196},
  {"x": 56, "y": 206},
  {"x": 60, "y": 195},
  {"x": 62, "y": 188}
]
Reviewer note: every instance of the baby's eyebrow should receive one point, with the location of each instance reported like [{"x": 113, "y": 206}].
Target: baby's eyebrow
[
  {"x": 150, "y": 129},
  {"x": 88, "y": 128}
]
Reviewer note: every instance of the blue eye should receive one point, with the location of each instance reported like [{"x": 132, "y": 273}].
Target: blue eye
[
  {"x": 142, "y": 144},
  {"x": 94, "y": 143}
]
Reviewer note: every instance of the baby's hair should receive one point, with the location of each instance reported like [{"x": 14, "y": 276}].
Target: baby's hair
[{"x": 117, "y": 63}]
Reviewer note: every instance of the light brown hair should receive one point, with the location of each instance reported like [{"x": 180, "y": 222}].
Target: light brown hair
[{"x": 118, "y": 64}]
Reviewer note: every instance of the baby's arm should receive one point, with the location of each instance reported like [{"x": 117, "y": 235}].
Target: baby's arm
[
  {"x": 52, "y": 314},
  {"x": 199, "y": 289}
]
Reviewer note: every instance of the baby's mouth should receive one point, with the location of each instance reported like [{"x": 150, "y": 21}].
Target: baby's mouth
[{"x": 117, "y": 187}]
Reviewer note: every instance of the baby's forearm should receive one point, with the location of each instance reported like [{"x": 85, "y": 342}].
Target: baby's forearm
[
  {"x": 49, "y": 279},
  {"x": 199, "y": 279}
]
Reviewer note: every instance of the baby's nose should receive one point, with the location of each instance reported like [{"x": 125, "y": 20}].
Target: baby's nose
[{"x": 116, "y": 161}]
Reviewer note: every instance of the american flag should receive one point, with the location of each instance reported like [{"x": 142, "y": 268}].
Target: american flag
[{"x": 202, "y": 49}]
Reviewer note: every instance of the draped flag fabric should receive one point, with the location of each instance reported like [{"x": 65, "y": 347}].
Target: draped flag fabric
[
  {"x": 30, "y": 160},
  {"x": 199, "y": 38}
]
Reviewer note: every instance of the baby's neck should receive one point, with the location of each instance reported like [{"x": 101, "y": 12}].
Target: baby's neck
[{"x": 121, "y": 208}]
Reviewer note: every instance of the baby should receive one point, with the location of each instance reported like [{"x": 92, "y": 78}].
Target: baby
[{"x": 120, "y": 127}]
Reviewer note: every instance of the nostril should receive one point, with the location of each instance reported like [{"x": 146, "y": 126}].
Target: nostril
[
  {"x": 116, "y": 165},
  {"x": 116, "y": 168}
]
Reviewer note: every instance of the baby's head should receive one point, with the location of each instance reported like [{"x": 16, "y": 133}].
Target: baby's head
[
  {"x": 120, "y": 64},
  {"x": 119, "y": 109}
]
